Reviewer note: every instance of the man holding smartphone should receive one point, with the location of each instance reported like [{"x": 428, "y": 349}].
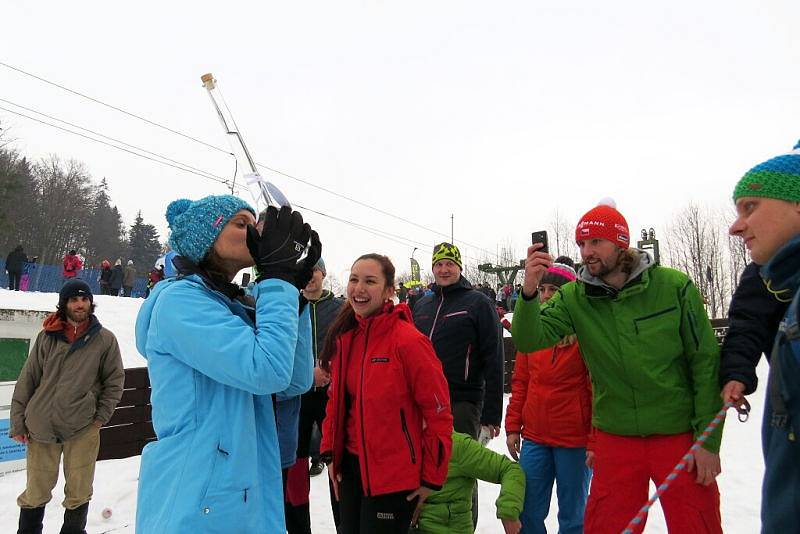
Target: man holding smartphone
[{"x": 653, "y": 359}]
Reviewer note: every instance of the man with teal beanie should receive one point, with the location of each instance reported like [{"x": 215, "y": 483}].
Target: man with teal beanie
[{"x": 768, "y": 220}]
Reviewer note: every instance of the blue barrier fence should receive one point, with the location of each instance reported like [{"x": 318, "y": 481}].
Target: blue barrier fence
[{"x": 49, "y": 279}]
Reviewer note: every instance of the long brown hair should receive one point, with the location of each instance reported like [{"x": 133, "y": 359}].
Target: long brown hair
[{"x": 346, "y": 319}]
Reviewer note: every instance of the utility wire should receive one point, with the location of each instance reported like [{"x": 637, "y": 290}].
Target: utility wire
[
  {"x": 227, "y": 182},
  {"x": 214, "y": 147},
  {"x": 193, "y": 170},
  {"x": 208, "y": 176},
  {"x": 115, "y": 108}
]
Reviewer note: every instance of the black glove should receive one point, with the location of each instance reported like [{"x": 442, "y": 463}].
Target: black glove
[
  {"x": 280, "y": 244},
  {"x": 307, "y": 269}
]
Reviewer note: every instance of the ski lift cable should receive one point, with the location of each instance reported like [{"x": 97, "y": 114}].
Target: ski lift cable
[
  {"x": 207, "y": 176},
  {"x": 51, "y": 117},
  {"x": 209, "y": 145}
]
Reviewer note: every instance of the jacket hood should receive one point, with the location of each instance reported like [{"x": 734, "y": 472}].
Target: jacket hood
[
  {"x": 782, "y": 273},
  {"x": 645, "y": 262},
  {"x": 462, "y": 283}
]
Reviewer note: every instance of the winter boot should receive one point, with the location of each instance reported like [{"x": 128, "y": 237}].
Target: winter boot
[
  {"x": 30, "y": 520},
  {"x": 75, "y": 520}
]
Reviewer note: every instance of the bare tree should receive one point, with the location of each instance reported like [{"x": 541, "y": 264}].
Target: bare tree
[
  {"x": 696, "y": 245},
  {"x": 561, "y": 235}
]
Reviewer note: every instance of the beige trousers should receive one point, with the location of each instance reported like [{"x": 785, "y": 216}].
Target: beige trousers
[{"x": 80, "y": 456}]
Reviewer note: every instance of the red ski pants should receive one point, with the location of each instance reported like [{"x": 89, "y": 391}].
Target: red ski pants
[{"x": 622, "y": 468}]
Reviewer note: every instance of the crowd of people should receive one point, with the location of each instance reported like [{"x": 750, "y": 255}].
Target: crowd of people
[{"x": 617, "y": 374}]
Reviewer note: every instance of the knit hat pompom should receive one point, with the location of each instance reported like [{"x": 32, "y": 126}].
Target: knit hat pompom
[
  {"x": 176, "y": 208},
  {"x": 604, "y": 222},
  {"x": 195, "y": 225},
  {"x": 777, "y": 178},
  {"x": 608, "y": 201}
]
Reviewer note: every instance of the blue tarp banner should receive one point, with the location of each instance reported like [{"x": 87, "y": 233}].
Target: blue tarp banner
[{"x": 9, "y": 449}]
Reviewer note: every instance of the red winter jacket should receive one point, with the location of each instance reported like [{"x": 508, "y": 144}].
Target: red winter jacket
[
  {"x": 401, "y": 383},
  {"x": 72, "y": 264},
  {"x": 551, "y": 397}
]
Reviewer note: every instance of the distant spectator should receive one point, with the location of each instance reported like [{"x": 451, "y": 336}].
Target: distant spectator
[
  {"x": 154, "y": 277},
  {"x": 402, "y": 293},
  {"x": 117, "y": 274},
  {"x": 27, "y": 270},
  {"x": 72, "y": 265},
  {"x": 129, "y": 278},
  {"x": 14, "y": 262},
  {"x": 105, "y": 277}
]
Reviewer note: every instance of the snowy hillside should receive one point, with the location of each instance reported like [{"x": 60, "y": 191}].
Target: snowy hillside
[{"x": 116, "y": 480}]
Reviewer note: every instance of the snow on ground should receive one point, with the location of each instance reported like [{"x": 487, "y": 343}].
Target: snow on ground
[{"x": 116, "y": 480}]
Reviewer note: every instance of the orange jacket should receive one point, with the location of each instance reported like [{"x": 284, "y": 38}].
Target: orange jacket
[{"x": 551, "y": 397}]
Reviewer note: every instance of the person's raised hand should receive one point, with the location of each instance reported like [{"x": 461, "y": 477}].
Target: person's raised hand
[
  {"x": 279, "y": 246},
  {"x": 536, "y": 264}
]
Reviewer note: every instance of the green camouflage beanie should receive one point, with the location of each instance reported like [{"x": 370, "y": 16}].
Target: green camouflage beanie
[{"x": 446, "y": 251}]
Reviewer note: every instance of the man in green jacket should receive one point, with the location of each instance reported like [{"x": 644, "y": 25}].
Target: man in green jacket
[
  {"x": 450, "y": 509},
  {"x": 653, "y": 360}
]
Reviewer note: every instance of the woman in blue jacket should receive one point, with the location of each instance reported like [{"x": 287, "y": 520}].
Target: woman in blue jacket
[{"x": 215, "y": 363}]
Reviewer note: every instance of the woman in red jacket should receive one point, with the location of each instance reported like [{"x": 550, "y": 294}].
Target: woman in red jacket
[
  {"x": 550, "y": 406},
  {"x": 385, "y": 381}
]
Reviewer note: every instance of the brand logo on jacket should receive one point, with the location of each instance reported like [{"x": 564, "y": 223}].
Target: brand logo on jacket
[{"x": 379, "y": 359}]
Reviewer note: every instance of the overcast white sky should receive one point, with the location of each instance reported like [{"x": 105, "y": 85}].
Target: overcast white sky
[{"x": 496, "y": 112}]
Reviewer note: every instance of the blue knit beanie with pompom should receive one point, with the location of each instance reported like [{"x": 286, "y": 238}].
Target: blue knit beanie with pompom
[{"x": 195, "y": 225}]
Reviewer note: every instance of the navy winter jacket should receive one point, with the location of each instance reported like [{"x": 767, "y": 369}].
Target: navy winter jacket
[{"x": 463, "y": 326}]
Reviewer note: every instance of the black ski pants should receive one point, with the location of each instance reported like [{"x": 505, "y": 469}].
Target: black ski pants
[{"x": 382, "y": 514}]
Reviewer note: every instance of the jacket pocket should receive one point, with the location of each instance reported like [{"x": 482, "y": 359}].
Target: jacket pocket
[
  {"x": 408, "y": 437},
  {"x": 640, "y": 322}
]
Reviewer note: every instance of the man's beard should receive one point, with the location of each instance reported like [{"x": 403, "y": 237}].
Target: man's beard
[
  {"x": 605, "y": 269},
  {"x": 78, "y": 317}
]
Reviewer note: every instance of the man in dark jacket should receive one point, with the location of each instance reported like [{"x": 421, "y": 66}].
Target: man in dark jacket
[
  {"x": 323, "y": 307},
  {"x": 14, "y": 263},
  {"x": 117, "y": 276},
  {"x": 463, "y": 326},
  {"x": 768, "y": 220},
  {"x": 753, "y": 319},
  {"x": 128, "y": 279},
  {"x": 465, "y": 331},
  {"x": 68, "y": 388}
]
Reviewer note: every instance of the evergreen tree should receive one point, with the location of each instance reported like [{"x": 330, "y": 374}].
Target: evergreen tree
[
  {"x": 143, "y": 245},
  {"x": 106, "y": 239}
]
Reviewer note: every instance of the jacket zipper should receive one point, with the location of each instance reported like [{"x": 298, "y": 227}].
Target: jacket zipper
[
  {"x": 408, "y": 436},
  {"x": 466, "y": 365},
  {"x": 314, "y": 337},
  {"x": 367, "y": 489},
  {"x": 436, "y": 318}
]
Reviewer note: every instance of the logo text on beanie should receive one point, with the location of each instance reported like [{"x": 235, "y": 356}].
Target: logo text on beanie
[
  {"x": 591, "y": 223},
  {"x": 755, "y": 186}
]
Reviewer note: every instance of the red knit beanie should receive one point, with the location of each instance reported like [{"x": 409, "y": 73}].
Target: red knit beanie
[{"x": 604, "y": 222}]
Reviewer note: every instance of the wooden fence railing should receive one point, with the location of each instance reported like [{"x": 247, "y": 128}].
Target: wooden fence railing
[{"x": 131, "y": 426}]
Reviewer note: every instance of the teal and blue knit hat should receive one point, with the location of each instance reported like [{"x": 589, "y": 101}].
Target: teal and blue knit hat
[
  {"x": 776, "y": 178},
  {"x": 195, "y": 225}
]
